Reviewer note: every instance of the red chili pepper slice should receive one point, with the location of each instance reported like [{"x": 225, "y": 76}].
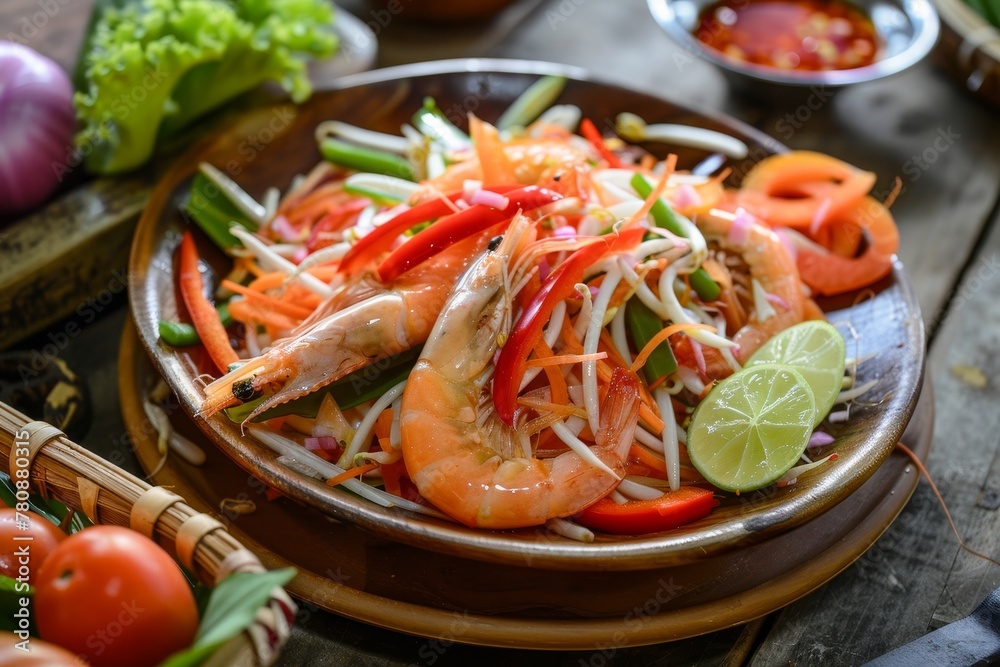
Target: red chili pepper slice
[
  {"x": 379, "y": 240},
  {"x": 591, "y": 134},
  {"x": 527, "y": 331},
  {"x": 204, "y": 317},
  {"x": 638, "y": 517},
  {"x": 452, "y": 229}
]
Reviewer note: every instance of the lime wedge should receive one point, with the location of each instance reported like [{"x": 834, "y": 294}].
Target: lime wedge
[
  {"x": 752, "y": 427},
  {"x": 816, "y": 350}
]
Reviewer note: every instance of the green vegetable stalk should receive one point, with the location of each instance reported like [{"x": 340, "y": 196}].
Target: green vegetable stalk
[
  {"x": 665, "y": 217},
  {"x": 151, "y": 67}
]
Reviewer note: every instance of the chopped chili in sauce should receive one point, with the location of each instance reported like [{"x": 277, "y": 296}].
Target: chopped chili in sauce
[{"x": 790, "y": 34}]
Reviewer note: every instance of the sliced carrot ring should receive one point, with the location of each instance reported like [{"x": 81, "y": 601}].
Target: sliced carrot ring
[
  {"x": 829, "y": 273},
  {"x": 801, "y": 189}
]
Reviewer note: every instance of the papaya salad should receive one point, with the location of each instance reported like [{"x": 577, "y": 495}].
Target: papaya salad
[{"x": 535, "y": 322}]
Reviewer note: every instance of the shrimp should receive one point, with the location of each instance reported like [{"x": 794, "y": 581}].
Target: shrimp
[
  {"x": 462, "y": 458},
  {"x": 558, "y": 163},
  {"x": 370, "y": 322},
  {"x": 772, "y": 266}
]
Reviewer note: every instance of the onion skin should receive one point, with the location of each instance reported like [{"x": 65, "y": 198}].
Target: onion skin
[{"x": 36, "y": 127}]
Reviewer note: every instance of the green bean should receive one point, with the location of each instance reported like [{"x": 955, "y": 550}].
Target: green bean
[
  {"x": 365, "y": 159},
  {"x": 665, "y": 217},
  {"x": 644, "y": 324},
  {"x": 182, "y": 334},
  {"x": 432, "y": 122}
]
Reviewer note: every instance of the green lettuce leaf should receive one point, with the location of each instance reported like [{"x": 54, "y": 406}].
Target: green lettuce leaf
[{"x": 151, "y": 67}]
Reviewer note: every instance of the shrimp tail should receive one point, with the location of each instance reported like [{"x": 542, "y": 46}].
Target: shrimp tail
[
  {"x": 619, "y": 417},
  {"x": 225, "y": 391}
]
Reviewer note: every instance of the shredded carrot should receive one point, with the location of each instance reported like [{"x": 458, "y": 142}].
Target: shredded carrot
[
  {"x": 351, "y": 473},
  {"x": 573, "y": 344},
  {"x": 391, "y": 473},
  {"x": 248, "y": 312},
  {"x": 268, "y": 281},
  {"x": 548, "y": 406},
  {"x": 384, "y": 423},
  {"x": 648, "y": 458},
  {"x": 657, "y": 382},
  {"x": 557, "y": 383},
  {"x": 647, "y": 163},
  {"x": 385, "y": 445},
  {"x": 559, "y": 360},
  {"x": 663, "y": 335},
  {"x": 251, "y": 266},
  {"x": 288, "y": 309},
  {"x": 607, "y": 345}
]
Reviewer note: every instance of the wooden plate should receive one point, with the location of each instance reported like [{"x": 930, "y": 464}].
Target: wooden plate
[
  {"x": 887, "y": 322},
  {"x": 356, "y": 573}
]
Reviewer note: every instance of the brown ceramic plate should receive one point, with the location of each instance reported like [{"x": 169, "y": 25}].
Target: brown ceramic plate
[
  {"x": 354, "y": 572},
  {"x": 887, "y": 321}
]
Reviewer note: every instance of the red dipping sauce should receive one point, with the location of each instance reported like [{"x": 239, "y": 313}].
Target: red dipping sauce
[{"x": 790, "y": 34}]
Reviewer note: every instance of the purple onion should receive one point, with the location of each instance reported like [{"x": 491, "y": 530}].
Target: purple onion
[{"x": 36, "y": 127}]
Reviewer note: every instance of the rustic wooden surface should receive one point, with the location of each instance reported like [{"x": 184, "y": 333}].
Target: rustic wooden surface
[{"x": 918, "y": 126}]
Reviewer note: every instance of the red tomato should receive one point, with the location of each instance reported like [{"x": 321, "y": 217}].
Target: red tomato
[
  {"x": 26, "y": 545},
  {"x": 35, "y": 653},
  {"x": 637, "y": 517},
  {"x": 115, "y": 597}
]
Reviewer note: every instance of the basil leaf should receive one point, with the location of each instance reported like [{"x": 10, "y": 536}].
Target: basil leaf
[{"x": 231, "y": 609}]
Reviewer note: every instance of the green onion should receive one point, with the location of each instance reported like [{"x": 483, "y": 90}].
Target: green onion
[
  {"x": 365, "y": 159},
  {"x": 349, "y": 391},
  {"x": 665, "y": 217},
  {"x": 182, "y": 334},
  {"x": 213, "y": 212},
  {"x": 432, "y": 123},
  {"x": 531, "y": 103},
  {"x": 644, "y": 324}
]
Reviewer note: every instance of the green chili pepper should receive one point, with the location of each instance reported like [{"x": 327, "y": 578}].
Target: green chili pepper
[
  {"x": 665, "y": 217},
  {"x": 644, "y": 325},
  {"x": 365, "y": 159},
  {"x": 182, "y": 334}
]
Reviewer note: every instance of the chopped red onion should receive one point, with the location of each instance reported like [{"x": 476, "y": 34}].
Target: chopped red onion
[
  {"x": 325, "y": 443},
  {"x": 300, "y": 255},
  {"x": 820, "y": 439},
  {"x": 739, "y": 232},
  {"x": 470, "y": 187},
  {"x": 819, "y": 216},
  {"x": 489, "y": 198},
  {"x": 686, "y": 196},
  {"x": 565, "y": 231},
  {"x": 285, "y": 230},
  {"x": 787, "y": 241},
  {"x": 699, "y": 356},
  {"x": 776, "y": 300}
]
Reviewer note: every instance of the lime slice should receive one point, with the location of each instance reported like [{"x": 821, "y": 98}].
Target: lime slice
[
  {"x": 752, "y": 427},
  {"x": 816, "y": 350}
]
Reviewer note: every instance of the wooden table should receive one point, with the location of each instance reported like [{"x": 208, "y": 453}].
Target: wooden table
[{"x": 919, "y": 127}]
